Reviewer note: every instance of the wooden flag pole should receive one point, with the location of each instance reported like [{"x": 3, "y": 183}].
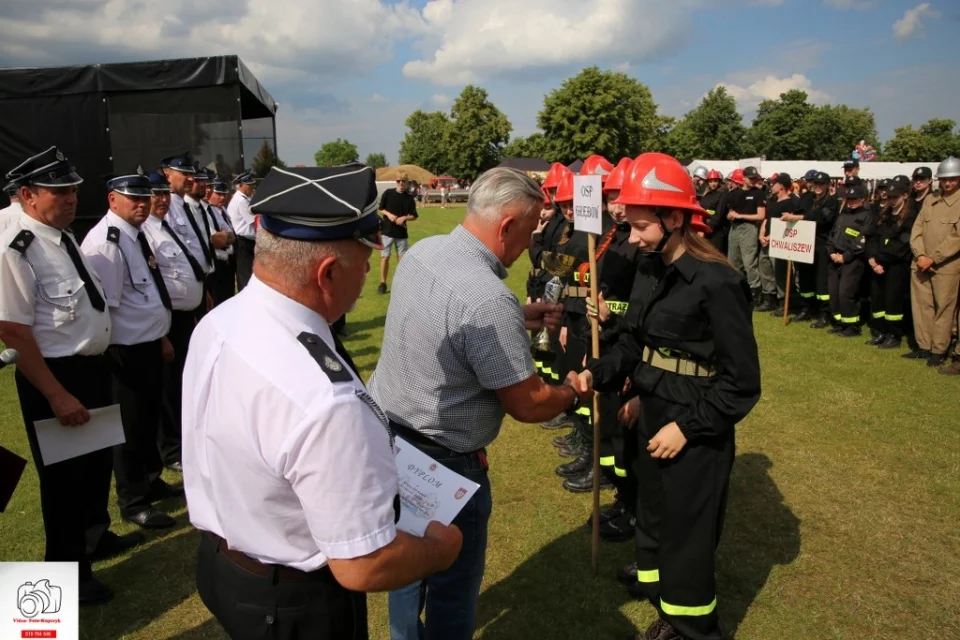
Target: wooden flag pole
[
  {"x": 786, "y": 298},
  {"x": 595, "y": 352}
]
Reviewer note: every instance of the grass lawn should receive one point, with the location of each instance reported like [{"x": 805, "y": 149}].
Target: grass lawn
[{"x": 842, "y": 523}]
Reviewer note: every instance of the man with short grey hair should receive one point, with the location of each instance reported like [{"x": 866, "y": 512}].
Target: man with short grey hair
[{"x": 456, "y": 359}]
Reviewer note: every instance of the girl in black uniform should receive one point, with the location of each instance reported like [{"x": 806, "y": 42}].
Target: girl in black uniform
[
  {"x": 688, "y": 348},
  {"x": 823, "y": 211},
  {"x": 889, "y": 257}
]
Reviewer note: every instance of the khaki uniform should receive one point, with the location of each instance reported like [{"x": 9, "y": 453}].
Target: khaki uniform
[{"x": 936, "y": 234}]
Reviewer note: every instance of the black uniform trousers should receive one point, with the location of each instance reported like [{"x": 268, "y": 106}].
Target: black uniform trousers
[
  {"x": 138, "y": 389},
  {"x": 169, "y": 437},
  {"x": 807, "y": 281},
  {"x": 890, "y": 298},
  {"x": 821, "y": 266},
  {"x": 244, "y": 251},
  {"x": 252, "y": 607},
  {"x": 222, "y": 282},
  {"x": 844, "y": 284},
  {"x": 578, "y": 346},
  {"x": 74, "y": 493},
  {"x": 680, "y": 511}
]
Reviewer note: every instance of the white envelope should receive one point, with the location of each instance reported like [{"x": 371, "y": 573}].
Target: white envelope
[
  {"x": 59, "y": 443},
  {"x": 428, "y": 490}
]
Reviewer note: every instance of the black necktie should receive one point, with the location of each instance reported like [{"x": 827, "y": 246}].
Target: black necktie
[
  {"x": 213, "y": 218},
  {"x": 342, "y": 352},
  {"x": 154, "y": 271},
  {"x": 95, "y": 298},
  {"x": 196, "y": 230},
  {"x": 197, "y": 269}
]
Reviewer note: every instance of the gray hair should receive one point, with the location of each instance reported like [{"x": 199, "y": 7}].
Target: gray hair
[
  {"x": 295, "y": 259},
  {"x": 497, "y": 188}
]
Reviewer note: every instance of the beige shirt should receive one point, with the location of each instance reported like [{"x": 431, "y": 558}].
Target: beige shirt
[{"x": 936, "y": 233}]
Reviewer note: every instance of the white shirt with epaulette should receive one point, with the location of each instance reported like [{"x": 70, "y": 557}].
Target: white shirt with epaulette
[
  {"x": 9, "y": 215},
  {"x": 177, "y": 218},
  {"x": 285, "y": 455},
  {"x": 186, "y": 292},
  {"x": 241, "y": 217},
  {"x": 40, "y": 288},
  {"x": 135, "y": 305}
]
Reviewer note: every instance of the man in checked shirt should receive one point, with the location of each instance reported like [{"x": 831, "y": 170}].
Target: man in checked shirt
[{"x": 455, "y": 360}]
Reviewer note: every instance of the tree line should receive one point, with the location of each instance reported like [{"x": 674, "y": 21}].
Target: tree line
[{"x": 610, "y": 113}]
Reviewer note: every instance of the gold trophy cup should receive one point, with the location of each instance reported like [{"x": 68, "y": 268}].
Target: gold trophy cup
[{"x": 560, "y": 266}]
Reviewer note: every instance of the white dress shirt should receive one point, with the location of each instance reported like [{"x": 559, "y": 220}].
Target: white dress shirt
[
  {"x": 288, "y": 466},
  {"x": 43, "y": 290},
  {"x": 241, "y": 218},
  {"x": 186, "y": 292},
  {"x": 220, "y": 217},
  {"x": 9, "y": 215},
  {"x": 135, "y": 306},
  {"x": 177, "y": 218}
]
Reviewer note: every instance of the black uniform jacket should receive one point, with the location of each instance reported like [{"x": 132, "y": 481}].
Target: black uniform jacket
[
  {"x": 538, "y": 243},
  {"x": 889, "y": 241},
  {"x": 848, "y": 234},
  {"x": 823, "y": 211},
  {"x": 696, "y": 310}
]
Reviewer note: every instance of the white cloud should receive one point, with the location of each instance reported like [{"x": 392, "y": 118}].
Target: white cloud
[
  {"x": 623, "y": 66},
  {"x": 911, "y": 22},
  {"x": 281, "y": 40},
  {"x": 441, "y": 99},
  {"x": 474, "y": 40},
  {"x": 770, "y": 87},
  {"x": 378, "y": 98}
]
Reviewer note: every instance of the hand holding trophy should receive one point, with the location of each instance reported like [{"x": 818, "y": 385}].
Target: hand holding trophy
[{"x": 560, "y": 266}]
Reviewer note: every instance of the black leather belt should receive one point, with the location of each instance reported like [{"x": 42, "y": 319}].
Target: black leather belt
[{"x": 275, "y": 572}]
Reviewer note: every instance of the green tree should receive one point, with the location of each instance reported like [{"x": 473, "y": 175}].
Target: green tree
[
  {"x": 336, "y": 152},
  {"x": 533, "y": 146},
  {"x": 596, "y": 111},
  {"x": 265, "y": 159},
  {"x": 777, "y": 132},
  {"x": 932, "y": 142},
  {"x": 423, "y": 144},
  {"x": 376, "y": 160},
  {"x": 831, "y": 132},
  {"x": 714, "y": 130},
  {"x": 476, "y": 135}
]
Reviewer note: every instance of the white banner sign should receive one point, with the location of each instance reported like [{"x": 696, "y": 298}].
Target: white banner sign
[
  {"x": 588, "y": 204},
  {"x": 756, "y": 163},
  {"x": 792, "y": 240}
]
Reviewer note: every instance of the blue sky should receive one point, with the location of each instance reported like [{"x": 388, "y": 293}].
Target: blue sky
[{"x": 356, "y": 68}]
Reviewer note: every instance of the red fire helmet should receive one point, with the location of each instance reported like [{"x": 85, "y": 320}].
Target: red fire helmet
[
  {"x": 615, "y": 179},
  {"x": 597, "y": 165},
  {"x": 658, "y": 180}
]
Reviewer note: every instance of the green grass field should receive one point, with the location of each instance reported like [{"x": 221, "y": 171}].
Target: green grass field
[{"x": 842, "y": 523}]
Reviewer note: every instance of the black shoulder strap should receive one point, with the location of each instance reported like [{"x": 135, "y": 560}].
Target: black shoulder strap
[
  {"x": 325, "y": 357},
  {"x": 113, "y": 235},
  {"x": 22, "y": 240}
]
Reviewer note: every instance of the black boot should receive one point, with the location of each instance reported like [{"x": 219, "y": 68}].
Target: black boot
[
  {"x": 823, "y": 322},
  {"x": 565, "y": 440},
  {"x": 835, "y": 327},
  {"x": 891, "y": 341},
  {"x": 627, "y": 575},
  {"x": 572, "y": 451},
  {"x": 583, "y": 483},
  {"x": 805, "y": 315},
  {"x": 876, "y": 337},
  {"x": 850, "y": 331},
  {"x": 769, "y": 303},
  {"x": 778, "y": 309},
  {"x": 755, "y": 298},
  {"x": 578, "y": 466},
  {"x": 619, "y": 529},
  {"x": 917, "y": 354}
]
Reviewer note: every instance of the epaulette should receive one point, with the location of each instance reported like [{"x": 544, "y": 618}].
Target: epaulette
[
  {"x": 327, "y": 359},
  {"x": 113, "y": 235},
  {"x": 22, "y": 240}
]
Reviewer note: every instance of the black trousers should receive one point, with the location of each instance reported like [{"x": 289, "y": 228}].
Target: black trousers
[
  {"x": 821, "y": 266},
  {"x": 612, "y": 442},
  {"x": 807, "y": 280},
  {"x": 578, "y": 346},
  {"x": 680, "y": 511},
  {"x": 138, "y": 389},
  {"x": 244, "y": 252},
  {"x": 222, "y": 282},
  {"x": 251, "y": 607},
  {"x": 845, "y": 283},
  {"x": 74, "y": 493},
  {"x": 890, "y": 298},
  {"x": 169, "y": 437}
]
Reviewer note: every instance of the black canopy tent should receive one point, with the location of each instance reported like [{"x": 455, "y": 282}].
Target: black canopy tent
[{"x": 112, "y": 117}]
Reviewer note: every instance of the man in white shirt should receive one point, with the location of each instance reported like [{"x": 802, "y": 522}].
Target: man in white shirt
[
  {"x": 222, "y": 284},
  {"x": 243, "y": 222},
  {"x": 10, "y": 213},
  {"x": 52, "y": 310},
  {"x": 179, "y": 172},
  {"x": 140, "y": 309},
  {"x": 288, "y": 464},
  {"x": 183, "y": 277}
]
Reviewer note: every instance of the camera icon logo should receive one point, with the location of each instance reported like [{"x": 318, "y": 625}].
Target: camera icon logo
[{"x": 35, "y": 598}]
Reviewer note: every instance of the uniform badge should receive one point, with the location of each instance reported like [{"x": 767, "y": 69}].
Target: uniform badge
[
  {"x": 139, "y": 170},
  {"x": 60, "y": 156},
  {"x": 332, "y": 364},
  {"x": 460, "y": 493},
  {"x": 152, "y": 262}
]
